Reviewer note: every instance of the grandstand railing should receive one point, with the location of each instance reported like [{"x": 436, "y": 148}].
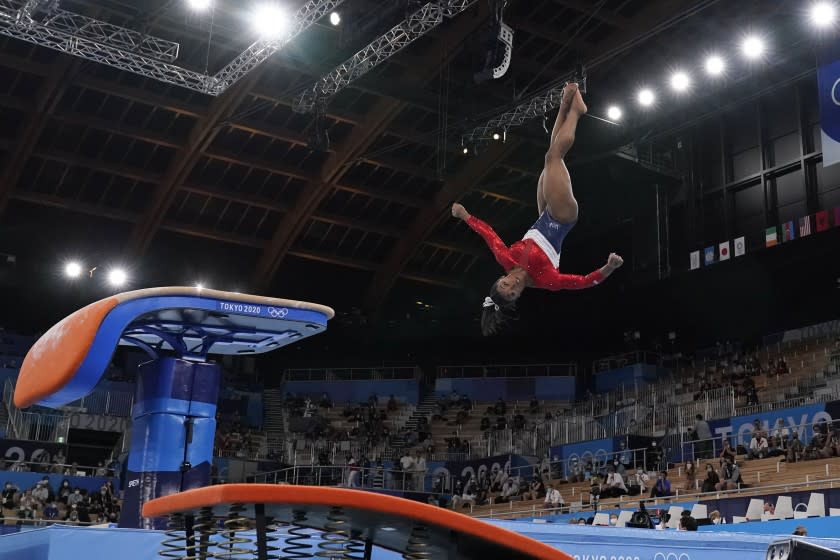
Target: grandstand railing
[
  {"x": 651, "y": 503},
  {"x": 67, "y": 469},
  {"x": 339, "y": 475},
  {"x": 104, "y": 402},
  {"x": 627, "y": 359},
  {"x": 34, "y": 426},
  {"x": 509, "y": 370},
  {"x": 351, "y": 374}
]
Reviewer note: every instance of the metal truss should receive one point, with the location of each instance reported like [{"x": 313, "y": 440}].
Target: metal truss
[
  {"x": 42, "y": 23},
  {"x": 385, "y": 46},
  {"x": 535, "y": 107}
]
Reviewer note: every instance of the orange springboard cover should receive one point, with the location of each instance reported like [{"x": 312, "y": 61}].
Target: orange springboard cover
[
  {"x": 341, "y": 497},
  {"x": 54, "y": 359}
]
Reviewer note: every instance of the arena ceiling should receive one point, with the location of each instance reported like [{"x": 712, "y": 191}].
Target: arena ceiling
[{"x": 110, "y": 167}]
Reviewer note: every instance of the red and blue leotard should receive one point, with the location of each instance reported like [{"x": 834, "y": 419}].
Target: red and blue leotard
[{"x": 529, "y": 256}]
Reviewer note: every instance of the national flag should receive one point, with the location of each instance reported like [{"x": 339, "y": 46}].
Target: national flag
[
  {"x": 740, "y": 246},
  {"x": 710, "y": 255},
  {"x": 695, "y": 260},
  {"x": 771, "y": 236},
  {"x": 804, "y": 226},
  {"x": 837, "y": 217},
  {"x": 788, "y": 231},
  {"x": 822, "y": 220},
  {"x": 723, "y": 249}
]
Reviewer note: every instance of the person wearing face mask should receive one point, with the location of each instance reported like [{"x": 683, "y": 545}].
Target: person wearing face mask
[
  {"x": 614, "y": 486},
  {"x": 662, "y": 488},
  {"x": 64, "y": 492},
  {"x": 711, "y": 481},
  {"x": 613, "y": 519},
  {"x": 74, "y": 498},
  {"x": 618, "y": 467}
]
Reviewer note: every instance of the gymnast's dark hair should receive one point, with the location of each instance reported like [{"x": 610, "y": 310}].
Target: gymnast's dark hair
[{"x": 496, "y": 312}]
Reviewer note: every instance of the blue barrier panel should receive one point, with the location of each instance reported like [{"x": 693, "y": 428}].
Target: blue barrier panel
[
  {"x": 611, "y": 543},
  {"x": 26, "y": 480},
  {"x": 825, "y": 527},
  {"x": 486, "y": 389},
  {"x": 407, "y": 390}
]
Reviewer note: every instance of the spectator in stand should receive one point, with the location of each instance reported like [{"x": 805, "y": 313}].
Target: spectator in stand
[
  {"x": 326, "y": 401},
  {"x": 727, "y": 452},
  {"x": 352, "y": 472},
  {"x": 730, "y": 476},
  {"x": 687, "y": 523},
  {"x": 468, "y": 497},
  {"x": 407, "y": 466},
  {"x": 801, "y": 531},
  {"x": 50, "y": 512},
  {"x": 782, "y": 367},
  {"x": 501, "y": 407},
  {"x": 553, "y": 498},
  {"x": 702, "y": 432},
  {"x": 392, "y": 404},
  {"x": 781, "y": 433},
  {"x": 419, "y": 472},
  {"x": 575, "y": 473},
  {"x": 690, "y": 476},
  {"x": 711, "y": 481},
  {"x": 654, "y": 456},
  {"x": 795, "y": 449},
  {"x": 662, "y": 488},
  {"x": 625, "y": 456},
  {"x": 716, "y": 519},
  {"x": 637, "y": 483},
  {"x": 614, "y": 485},
  {"x": 75, "y": 498},
  {"x": 758, "y": 446},
  {"x": 618, "y": 467},
  {"x": 8, "y": 496},
  {"x": 535, "y": 490},
  {"x": 534, "y": 406}
]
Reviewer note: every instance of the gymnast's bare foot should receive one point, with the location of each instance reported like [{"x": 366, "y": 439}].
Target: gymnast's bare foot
[
  {"x": 569, "y": 93},
  {"x": 578, "y": 104}
]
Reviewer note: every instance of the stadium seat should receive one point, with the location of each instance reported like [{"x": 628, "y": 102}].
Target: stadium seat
[
  {"x": 602, "y": 519},
  {"x": 675, "y": 512},
  {"x": 623, "y": 517},
  {"x": 754, "y": 510},
  {"x": 815, "y": 507},
  {"x": 784, "y": 508},
  {"x": 700, "y": 511}
]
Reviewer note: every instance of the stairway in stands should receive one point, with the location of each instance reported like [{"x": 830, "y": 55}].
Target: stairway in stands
[
  {"x": 427, "y": 407},
  {"x": 273, "y": 425}
]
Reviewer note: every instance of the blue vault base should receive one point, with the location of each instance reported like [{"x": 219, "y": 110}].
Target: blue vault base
[{"x": 582, "y": 542}]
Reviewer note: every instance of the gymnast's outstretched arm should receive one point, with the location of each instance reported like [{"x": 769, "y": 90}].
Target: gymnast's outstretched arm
[
  {"x": 559, "y": 281},
  {"x": 500, "y": 250}
]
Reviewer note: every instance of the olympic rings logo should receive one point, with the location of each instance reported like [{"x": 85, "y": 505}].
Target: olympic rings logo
[
  {"x": 671, "y": 556},
  {"x": 278, "y": 313},
  {"x": 834, "y": 92}
]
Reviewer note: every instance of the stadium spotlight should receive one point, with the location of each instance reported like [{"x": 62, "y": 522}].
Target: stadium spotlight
[
  {"x": 270, "y": 20},
  {"x": 117, "y": 277},
  {"x": 715, "y": 65},
  {"x": 199, "y": 5},
  {"x": 465, "y": 150},
  {"x": 335, "y": 18},
  {"x": 496, "y": 136},
  {"x": 72, "y": 269},
  {"x": 614, "y": 113},
  {"x": 823, "y": 14},
  {"x": 646, "y": 97},
  {"x": 680, "y": 81},
  {"x": 753, "y": 47},
  {"x": 199, "y": 286}
]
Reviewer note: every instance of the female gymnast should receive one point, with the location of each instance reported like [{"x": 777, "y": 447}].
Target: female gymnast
[{"x": 533, "y": 261}]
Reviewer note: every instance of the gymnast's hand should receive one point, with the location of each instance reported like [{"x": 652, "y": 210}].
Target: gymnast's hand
[
  {"x": 460, "y": 212},
  {"x": 614, "y": 261}
]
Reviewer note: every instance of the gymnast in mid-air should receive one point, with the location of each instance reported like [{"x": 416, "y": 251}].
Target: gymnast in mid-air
[{"x": 533, "y": 261}]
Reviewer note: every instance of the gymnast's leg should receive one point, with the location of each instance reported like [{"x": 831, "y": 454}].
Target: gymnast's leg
[
  {"x": 565, "y": 106},
  {"x": 555, "y": 180}
]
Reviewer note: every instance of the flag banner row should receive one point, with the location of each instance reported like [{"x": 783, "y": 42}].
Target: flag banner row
[{"x": 788, "y": 231}]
